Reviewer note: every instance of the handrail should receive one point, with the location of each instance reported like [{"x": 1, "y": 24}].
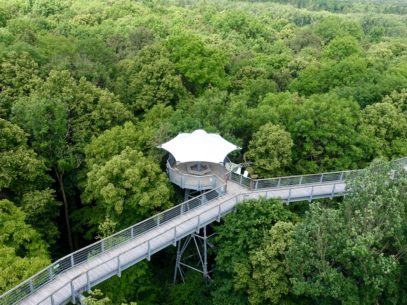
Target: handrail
[
  {"x": 73, "y": 259},
  {"x": 255, "y": 184},
  {"x": 200, "y": 181},
  {"x": 236, "y": 198}
]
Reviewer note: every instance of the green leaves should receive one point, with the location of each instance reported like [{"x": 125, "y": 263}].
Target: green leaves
[
  {"x": 242, "y": 233},
  {"x": 149, "y": 79},
  {"x": 201, "y": 66},
  {"x": 270, "y": 150},
  {"x": 22, "y": 251},
  {"x": 354, "y": 254},
  {"x": 127, "y": 188}
]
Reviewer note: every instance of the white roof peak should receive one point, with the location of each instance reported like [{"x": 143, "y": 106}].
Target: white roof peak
[{"x": 199, "y": 146}]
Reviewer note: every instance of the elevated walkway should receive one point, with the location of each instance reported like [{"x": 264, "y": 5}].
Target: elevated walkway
[{"x": 67, "y": 278}]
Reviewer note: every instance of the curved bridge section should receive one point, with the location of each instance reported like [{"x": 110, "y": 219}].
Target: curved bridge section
[{"x": 66, "y": 279}]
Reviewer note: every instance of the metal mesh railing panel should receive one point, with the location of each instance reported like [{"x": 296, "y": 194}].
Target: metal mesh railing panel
[
  {"x": 170, "y": 214},
  {"x": 18, "y": 294}
]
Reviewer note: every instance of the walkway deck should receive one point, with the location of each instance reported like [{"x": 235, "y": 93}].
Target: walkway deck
[{"x": 108, "y": 264}]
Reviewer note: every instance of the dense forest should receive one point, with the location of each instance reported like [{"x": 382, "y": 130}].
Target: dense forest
[{"x": 89, "y": 88}]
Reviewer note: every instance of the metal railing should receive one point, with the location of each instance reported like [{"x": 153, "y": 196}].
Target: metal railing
[
  {"x": 258, "y": 184},
  {"x": 82, "y": 282},
  {"x": 66, "y": 263},
  {"x": 193, "y": 182}
]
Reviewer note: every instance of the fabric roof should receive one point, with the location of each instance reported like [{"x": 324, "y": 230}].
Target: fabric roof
[{"x": 199, "y": 146}]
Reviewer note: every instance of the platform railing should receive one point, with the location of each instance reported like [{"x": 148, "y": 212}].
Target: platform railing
[
  {"x": 258, "y": 184},
  {"x": 32, "y": 284},
  {"x": 193, "y": 182}
]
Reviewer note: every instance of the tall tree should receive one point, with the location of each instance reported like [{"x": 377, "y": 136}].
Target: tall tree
[
  {"x": 148, "y": 79},
  {"x": 61, "y": 117},
  {"x": 124, "y": 190},
  {"x": 242, "y": 233},
  {"x": 270, "y": 150},
  {"x": 22, "y": 251},
  {"x": 354, "y": 255}
]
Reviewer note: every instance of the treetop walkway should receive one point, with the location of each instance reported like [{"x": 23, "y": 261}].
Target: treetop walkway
[{"x": 67, "y": 278}]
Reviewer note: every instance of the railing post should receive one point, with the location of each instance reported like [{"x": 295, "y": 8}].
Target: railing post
[
  {"x": 119, "y": 269},
  {"x": 175, "y": 236},
  {"x": 279, "y": 182},
  {"x": 87, "y": 281},
  {"x": 73, "y": 299},
  {"x": 289, "y": 195},
  {"x": 158, "y": 220},
  {"x": 333, "y": 191},
  {"x": 50, "y": 273},
  {"x": 322, "y": 178},
  {"x": 219, "y": 214},
  {"x": 132, "y": 232},
  {"x": 31, "y": 286},
  {"x": 301, "y": 180},
  {"x": 52, "y": 300},
  {"x": 148, "y": 250},
  {"x": 241, "y": 178},
  {"x": 256, "y": 184},
  {"x": 312, "y": 193},
  {"x": 72, "y": 261},
  {"x": 341, "y": 177},
  {"x": 199, "y": 223},
  {"x": 102, "y": 246}
]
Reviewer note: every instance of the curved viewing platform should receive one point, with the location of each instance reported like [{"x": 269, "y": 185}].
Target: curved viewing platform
[{"x": 197, "y": 176}]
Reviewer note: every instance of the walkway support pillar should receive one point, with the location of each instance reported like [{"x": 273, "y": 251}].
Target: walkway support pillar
[{"x": 192, "y": 253}]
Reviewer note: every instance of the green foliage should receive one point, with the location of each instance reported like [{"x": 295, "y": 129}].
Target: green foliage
[
  {"x": 270, "y": 150},
  {"x": 194, "y": 291},
  {"x": 242, "y": 233},
  {"x": 23, "y": 179},
  {"x": 325, "y": 135},
  {"x": 342, "y": 47},
  {"x": 266, "y": 277},
  {"x": 19, "y": 76},
  {"x": 200, "y": 65},
  {"x": 135, "y": 284},
  {"x": 148, "y": 79},
  {"x": 353, "y": 254},
  {"x": 88, "y": 89},
  {"x": 125, "y": 189},
  {"x": 61, "y": 107},
  {"x": 22, "y": 251},
  {"x": 96, "y": 298},
  {"x": 387, "y": 126}
]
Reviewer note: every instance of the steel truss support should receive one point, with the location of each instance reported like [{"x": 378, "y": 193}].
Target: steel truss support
[{"x": 182, "y": 261}]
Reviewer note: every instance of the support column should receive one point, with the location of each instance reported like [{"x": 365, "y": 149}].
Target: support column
[{"x": 197, "y": 260}]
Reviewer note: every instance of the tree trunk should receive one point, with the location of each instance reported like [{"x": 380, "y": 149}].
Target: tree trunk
[{"x": 66, "y": 210}]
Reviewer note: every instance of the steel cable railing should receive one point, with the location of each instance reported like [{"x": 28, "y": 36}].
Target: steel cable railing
[
  {"x": 258, "y": 184},
  {"x": 84, "y": 281},
  {"x": 66, "y": 263}
]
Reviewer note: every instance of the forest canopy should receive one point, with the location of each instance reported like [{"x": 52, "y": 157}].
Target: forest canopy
[{"x": 89, "y": 88}]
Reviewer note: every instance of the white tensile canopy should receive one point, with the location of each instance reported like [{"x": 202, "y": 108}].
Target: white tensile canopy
[{"x": 199, "y": 146}]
